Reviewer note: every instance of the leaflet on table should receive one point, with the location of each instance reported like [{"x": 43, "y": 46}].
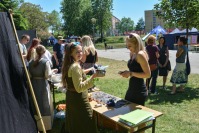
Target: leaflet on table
[{"x": 136, "y": 117}]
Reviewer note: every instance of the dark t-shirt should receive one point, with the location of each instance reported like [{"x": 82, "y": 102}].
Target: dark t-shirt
[
  {"x": 151, "y": 50},
  {"x": 91, "y": 58},
  {"x": 57, "y": 49}
]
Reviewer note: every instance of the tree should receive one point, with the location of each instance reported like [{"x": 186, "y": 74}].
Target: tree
[
  {"x": 102, "y": 12},
  {"x": 71, "y": 14},
  {"x": 77, "y": 17},
  {"x": 126, "y": 25},
  {"x": 179, "y": 13},
  {"x": 20, "y": 22},
  {"x": 37, "y": 19},
  {"x": 54, "y": 21},
  {"x": 140, "y": 25}
]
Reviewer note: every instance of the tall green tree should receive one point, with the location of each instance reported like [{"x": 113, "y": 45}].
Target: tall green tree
[
  {"x": 179, "y": 13},
  {"x": 77, "y": 17},
  {"x": 20, "y": 22},
  {"x": 102, "y": 12},
  {"x": 36, "y": 18},
  {"x": 54, "y": 21},
  {"x": 71, "y": 14},
  {"x": 140, "y": 25},
  {"x": 125, "y": 25}
]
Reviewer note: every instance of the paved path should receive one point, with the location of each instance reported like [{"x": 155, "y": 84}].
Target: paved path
[{"x": 123, "y": 54}]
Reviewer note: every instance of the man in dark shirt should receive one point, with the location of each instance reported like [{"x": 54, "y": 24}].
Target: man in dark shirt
[{"x": 57, "y": 54}]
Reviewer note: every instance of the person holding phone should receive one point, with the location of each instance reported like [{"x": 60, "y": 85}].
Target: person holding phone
[{"x": 138, "y": 70}]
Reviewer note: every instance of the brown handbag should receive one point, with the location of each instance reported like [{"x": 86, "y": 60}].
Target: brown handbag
[{"x": 153, "y": 67}]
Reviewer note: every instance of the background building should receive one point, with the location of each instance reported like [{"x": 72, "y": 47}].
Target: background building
[
  {"x": 151, "y": 20},
  {"x": 113, "y": 31}
]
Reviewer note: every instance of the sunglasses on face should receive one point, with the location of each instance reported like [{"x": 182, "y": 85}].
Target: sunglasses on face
[{"x": 131, "y": 36}]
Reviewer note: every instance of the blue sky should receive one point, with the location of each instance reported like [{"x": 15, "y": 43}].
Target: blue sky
[{"x": 122, "y": 8}]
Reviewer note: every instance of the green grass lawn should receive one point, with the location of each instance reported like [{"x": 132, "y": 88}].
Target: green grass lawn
[{"x": 180, "y": 111}]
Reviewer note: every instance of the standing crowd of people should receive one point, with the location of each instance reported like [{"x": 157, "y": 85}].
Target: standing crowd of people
[{"x": 75, "y": 60}]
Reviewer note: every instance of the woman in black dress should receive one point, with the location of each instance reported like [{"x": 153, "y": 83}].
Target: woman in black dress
[
  {"x": 138, "y": 70},
  {"x": 163, "y": 60}
]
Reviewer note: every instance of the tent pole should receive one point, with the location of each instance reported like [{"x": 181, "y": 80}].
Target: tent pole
[{"x": 27, "y": 75}]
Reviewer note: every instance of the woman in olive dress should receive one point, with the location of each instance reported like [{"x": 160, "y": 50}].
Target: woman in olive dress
[{"x": 79, "y": 114}]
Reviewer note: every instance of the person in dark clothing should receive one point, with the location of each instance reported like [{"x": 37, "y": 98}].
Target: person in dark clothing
[
  {"x": 138, "y": 70},
  {"x": 153, "y": 53},
  {"x": 89, "y": 55},
  {"x": 57, "y": 54},
  {"x": 163, "y": 60}
]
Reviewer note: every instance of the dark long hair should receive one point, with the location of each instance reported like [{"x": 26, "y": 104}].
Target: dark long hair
[
  {"x": 68, "y": 61},
  {"x": 35, "y": 42},
  {"x": 183, "y": 40},
  {"x": 163, "y": 39}
]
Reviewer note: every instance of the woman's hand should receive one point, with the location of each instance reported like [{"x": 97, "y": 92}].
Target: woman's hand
[
  {"x": 125, "y": 74},
  {"x": 55, "y": 70}
]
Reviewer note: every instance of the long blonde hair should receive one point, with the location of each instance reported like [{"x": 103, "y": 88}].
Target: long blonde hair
[
  {"x": 137, "y": 41},
  {"x": 87, "y": 45}
]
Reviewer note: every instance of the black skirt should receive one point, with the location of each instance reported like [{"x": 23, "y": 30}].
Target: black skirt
[{"x": 163, "y": 71}]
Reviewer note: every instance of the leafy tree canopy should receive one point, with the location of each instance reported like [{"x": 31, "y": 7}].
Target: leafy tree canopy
[
  {"x": 20, "y": 22},
  {"x": 140, "y": 25},
  {"x": 102, "y": 12},
  {"x": 36, "y": 18},
  {"x": 54, "y": 21},
  {"x": 179, "y": 13},
  {"x": 126, "y": 25}
]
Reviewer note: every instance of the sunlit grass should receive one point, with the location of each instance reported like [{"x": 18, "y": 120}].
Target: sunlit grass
[{"x": 180, "y": 110}]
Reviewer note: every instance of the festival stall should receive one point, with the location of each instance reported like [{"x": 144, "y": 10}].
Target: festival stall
[
  {"x": 157, "y": 30},
  {"x": 193, "y": 38}
]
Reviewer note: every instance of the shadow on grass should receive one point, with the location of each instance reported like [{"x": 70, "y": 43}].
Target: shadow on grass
[{"x": 164, "y": 97}]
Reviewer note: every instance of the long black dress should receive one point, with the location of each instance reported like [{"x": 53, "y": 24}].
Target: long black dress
[
  {"x": 162, "y": 59},
  {"x": 137, "y": 91}
]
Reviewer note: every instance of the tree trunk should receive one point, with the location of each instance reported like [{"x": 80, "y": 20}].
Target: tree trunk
[
  {"x": 101, "y": 30},
  {"x": 187, "y": 33}
]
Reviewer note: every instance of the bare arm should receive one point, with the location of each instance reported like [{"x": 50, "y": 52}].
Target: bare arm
[
  {"x": 167, "y": 59},
  {"x": 157, "y": 54},
  {"x": 141, "y": 59},
  {"x": 179, "y": 52}
]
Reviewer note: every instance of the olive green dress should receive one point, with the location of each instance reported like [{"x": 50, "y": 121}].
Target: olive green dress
[{"x": 79, "y": 114}]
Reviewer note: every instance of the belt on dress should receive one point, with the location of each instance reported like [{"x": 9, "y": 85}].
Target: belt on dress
[
  {"x": 72, "y": 90},
  {"x": 38, "y": 78}
]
